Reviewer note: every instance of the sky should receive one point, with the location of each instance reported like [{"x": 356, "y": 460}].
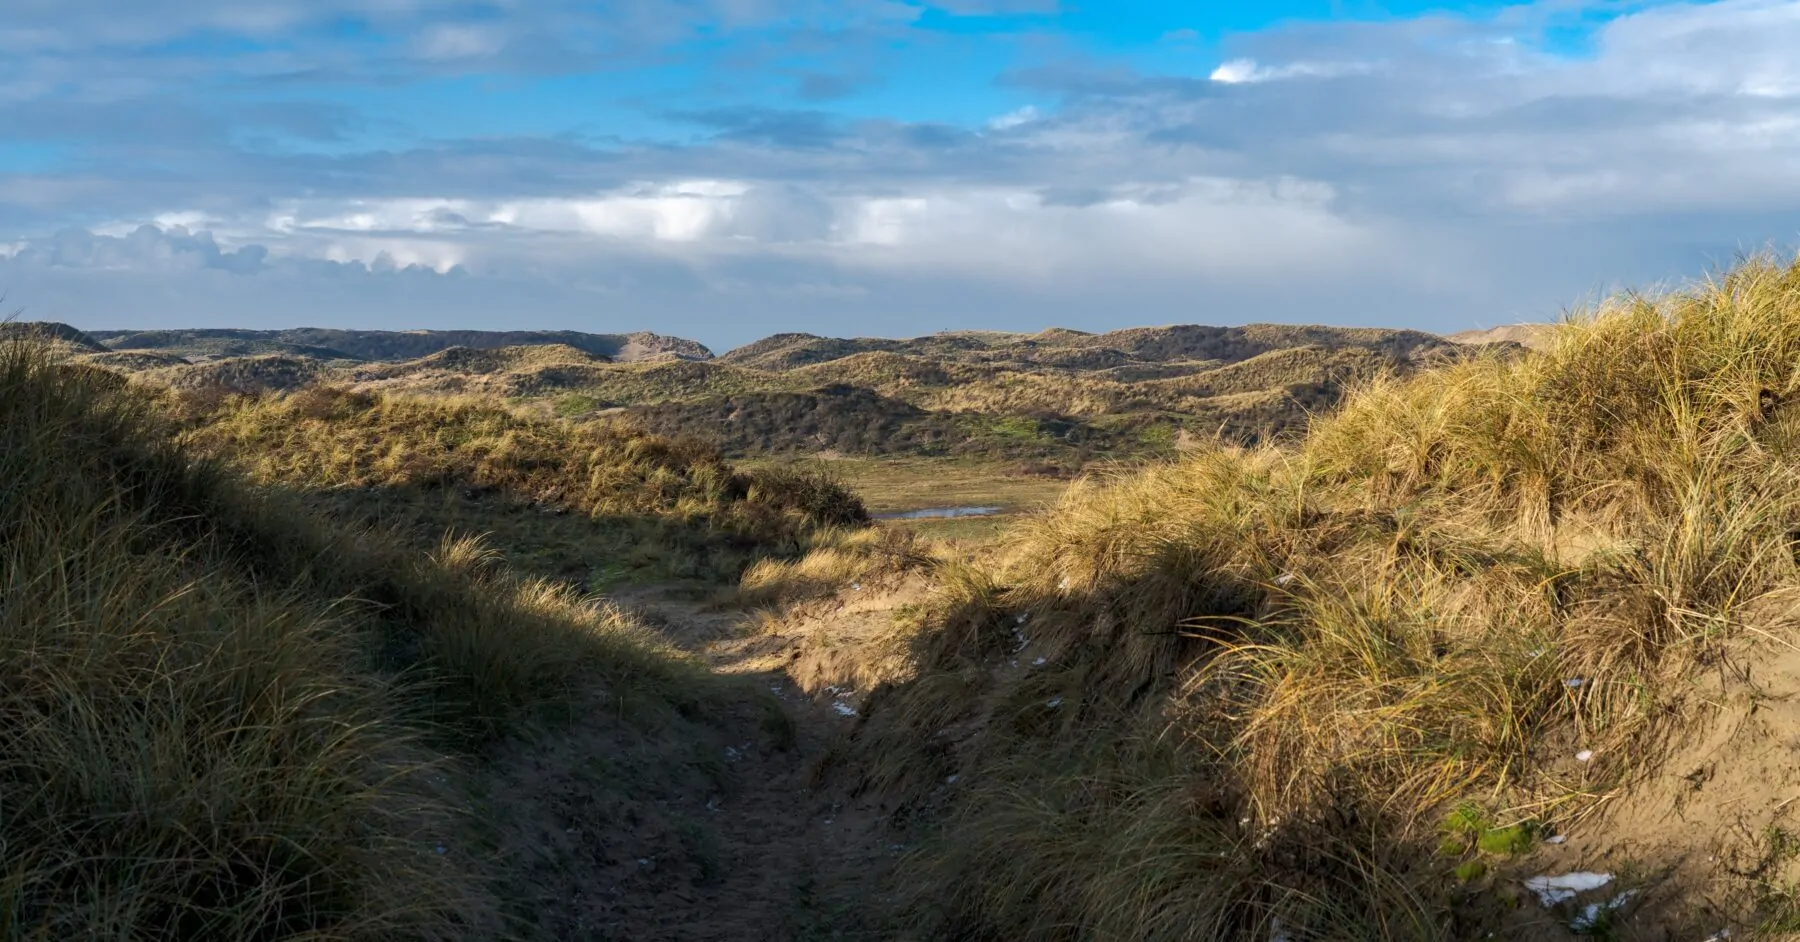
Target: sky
[{"x": 727, "y": 169}]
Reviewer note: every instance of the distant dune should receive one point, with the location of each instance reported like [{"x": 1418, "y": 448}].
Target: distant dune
[
  {"x": 1059, "y": 348},
  {"x": 1534, "y": 336},
  {"x": 1059, "y": 394},
  {"x": 393, "y": 345}
]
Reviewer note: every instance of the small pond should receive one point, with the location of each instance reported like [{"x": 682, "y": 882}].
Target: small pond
[{"x": 939, "y": 513}]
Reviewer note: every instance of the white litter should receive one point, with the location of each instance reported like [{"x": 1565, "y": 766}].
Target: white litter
[
  {"x": 1040, "y": 662},
  {"x": 1584, "y": 755},
  {"x": 1053, "y": 704},
  {"x": 1574, "y": 683},
  {"x": 844, "y": 709},
  {"x": 1719, "y": 936},
  {"x": 732, "y": 754},
  {"x": 1022, "y": 619},
  {"x": 1286, "y": 578},
  {"x": 952, "y": 780},
  {"x": 1064, "y": 584},
  {"x": 1556, "y": 838},
  {"x": 1553, "y": 890},
  {"x": 1590, "y": 915},
  {"x": 1540, "y": 652},
  {"x": 856, "y": 587}
]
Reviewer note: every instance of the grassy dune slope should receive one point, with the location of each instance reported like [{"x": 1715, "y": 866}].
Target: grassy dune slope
[
  {"x": 228, "y": 719},
  {"x": 607, "y": 500},
  {"x": 1323, "y": 692},
  {"x": 389, "y": 344},
  {"x": 273, "y": 372}
]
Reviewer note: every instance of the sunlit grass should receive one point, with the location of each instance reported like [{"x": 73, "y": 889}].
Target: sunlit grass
[{"x": 1330, "y": 646}]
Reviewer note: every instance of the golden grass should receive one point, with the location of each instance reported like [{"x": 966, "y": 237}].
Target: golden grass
[
  {"x": 836, "y": 559},
  {"x": 1267, "y": 675},
  {"x": 327, "y": 439}
]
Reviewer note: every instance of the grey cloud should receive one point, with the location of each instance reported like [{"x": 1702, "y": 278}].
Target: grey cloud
[
  {"x": 1079, "y": 197},
  {"x": 1456, "y": 178},
  {"x": 769, "y": 126},
  {"x": 1443, "y": 117},
  {"x": 777, "y": 214},
  {"x": 122, "y": 47},
  {"x": 145, "y": 248},
  {"x": 142, "y": 125},
  {"x": 1429, "y": 131},
  {"x": 735, "y": 299}
]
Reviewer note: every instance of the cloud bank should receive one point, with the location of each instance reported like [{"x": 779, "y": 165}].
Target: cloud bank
[{"x": 275, "y": 162}]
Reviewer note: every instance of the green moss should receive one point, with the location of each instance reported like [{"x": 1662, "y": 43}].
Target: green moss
[
  {"x": 1470, "y": 823},
  {"x": 1468, "y": 819},
  {"x": 1516, "y": 839}
]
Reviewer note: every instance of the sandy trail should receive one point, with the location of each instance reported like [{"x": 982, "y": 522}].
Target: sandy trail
[{"x": 740, "y": 843}]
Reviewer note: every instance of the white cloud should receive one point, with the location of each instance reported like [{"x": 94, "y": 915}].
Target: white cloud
[
  {"x": 1016, "y": 118},
  {"x": 1231, "y": 229},
  {"x": 394, "y": 253},
  {"x": 1242, "y": 71},
  {"x": 1728, "y": 47},
  {"x": 460, "y": 41},
  {"x": 1217, "y": 230}
]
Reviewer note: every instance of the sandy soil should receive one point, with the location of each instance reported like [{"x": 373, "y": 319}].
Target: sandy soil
[
  {"x": 1692, "y": 845},
  {"x": 742, "y": 843}
]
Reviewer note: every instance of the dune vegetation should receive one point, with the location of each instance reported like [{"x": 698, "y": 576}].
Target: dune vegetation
[
  {"x": 621, "y": 503},
  {"x": 228, "y": 717},
  {"x": 1500, "y": 613},
  {"x": 1334, "y": 690},
  {"x": 1059, "y": 395}
]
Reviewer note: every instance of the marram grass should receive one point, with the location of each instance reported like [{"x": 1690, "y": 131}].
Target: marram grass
[
  {"x": 221, "y": 718},
  {"x": 1262, "y": 678}
]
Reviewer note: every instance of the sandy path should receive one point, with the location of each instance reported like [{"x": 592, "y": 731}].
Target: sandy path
[{"x": 739, "y": 842}]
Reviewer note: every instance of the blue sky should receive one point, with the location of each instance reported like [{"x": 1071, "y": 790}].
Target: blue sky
[{"x": 726, "y": 169}]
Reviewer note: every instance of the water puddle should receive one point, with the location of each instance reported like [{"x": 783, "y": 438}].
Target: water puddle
[{"x": 939, "y": 513}]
